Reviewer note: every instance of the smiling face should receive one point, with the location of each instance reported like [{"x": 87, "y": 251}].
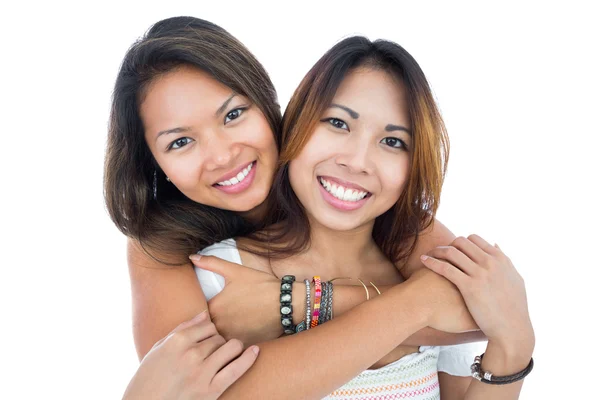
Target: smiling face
[
  {"x": 356, "y": 162},
  {"x": 213, "y": 144}
]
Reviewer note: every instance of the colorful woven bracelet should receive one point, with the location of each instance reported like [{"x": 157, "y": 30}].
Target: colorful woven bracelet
[
  {"x": 317, "y": 306},
  {"x": 285, "y": 308}
]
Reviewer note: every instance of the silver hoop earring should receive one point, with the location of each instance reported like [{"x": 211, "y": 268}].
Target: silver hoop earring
[{"x": 168, "y": 180}]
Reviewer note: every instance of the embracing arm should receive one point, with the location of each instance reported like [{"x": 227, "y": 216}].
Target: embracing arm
[
  {"x": 347, "y": 345},
  {"x": 313, "y": 363},
  {"x": 162, "y": 297}
]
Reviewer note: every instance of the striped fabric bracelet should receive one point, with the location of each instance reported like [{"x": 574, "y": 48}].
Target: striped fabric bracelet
[{"x": 317, "y": 306}]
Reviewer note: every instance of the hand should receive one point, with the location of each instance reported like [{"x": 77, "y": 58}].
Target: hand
[
  {"x": 192, "y": 362},
  {"x": 492, "y": 288},
  {"x": 442, "y": 301},
  {"x": 248, "y": 306}
]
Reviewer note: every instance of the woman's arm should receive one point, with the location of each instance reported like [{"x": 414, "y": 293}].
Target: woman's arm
[
  {"x": 192, "y": 362},
  {"x": 162, "y": 297},
  {"x": 313, "y": 363},
  {"x": 495, "y": 295}
]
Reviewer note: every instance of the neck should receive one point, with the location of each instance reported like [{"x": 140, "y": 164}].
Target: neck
[{"x": 342, "y": 253}]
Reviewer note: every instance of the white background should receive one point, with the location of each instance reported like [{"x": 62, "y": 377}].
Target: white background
[{"x": 517, "y": 84}]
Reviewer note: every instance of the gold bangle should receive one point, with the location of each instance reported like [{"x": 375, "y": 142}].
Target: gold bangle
[
  {"x": 372, "y": 284},
  {"x": 365, "y": 286}
]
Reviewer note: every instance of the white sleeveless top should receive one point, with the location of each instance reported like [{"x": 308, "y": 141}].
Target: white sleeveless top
[{"x": 414, "y": 376}]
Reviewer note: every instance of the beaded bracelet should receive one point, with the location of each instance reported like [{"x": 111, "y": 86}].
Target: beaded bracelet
[
  {"x": 490, "y": 379},
  {"x": 285, "y": 300},
  {"x": 307, "y": 311},
  {"x": 305, "y": 323},
  {"x": 317, "y": 306}
]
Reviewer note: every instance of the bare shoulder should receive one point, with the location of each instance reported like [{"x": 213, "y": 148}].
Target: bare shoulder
[{"x": 436, "y": 235}]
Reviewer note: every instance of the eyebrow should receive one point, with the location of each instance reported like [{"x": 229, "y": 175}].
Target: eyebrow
[
  {"x": 174, "y": 130},
  {"x": 225, "y": 104},
  {"x": 392, "y": 128},
  {"x": 187, "y": 129},
  {"x": 388, "y": 127},
  {"x": 350, "y": 111}
]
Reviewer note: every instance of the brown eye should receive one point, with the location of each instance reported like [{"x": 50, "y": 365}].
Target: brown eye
[
  {"x": 233, "y": 114},
  {"x": 393, "y": 142},
  {"x": 179, "y": 143},
  {"x": 338, "y": 123}
]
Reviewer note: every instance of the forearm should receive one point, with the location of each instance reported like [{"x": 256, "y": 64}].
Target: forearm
[
  {"x": 312, "y": 364},
  {"x": 348, "y": 297}
]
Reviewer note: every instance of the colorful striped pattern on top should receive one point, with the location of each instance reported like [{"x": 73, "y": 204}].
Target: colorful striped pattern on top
[{"x": 412, "y": 377}]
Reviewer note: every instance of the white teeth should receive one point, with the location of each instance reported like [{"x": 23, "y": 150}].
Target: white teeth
[
  {"x": 341, "y": 192},
  {"x": 238, "y": 178}
]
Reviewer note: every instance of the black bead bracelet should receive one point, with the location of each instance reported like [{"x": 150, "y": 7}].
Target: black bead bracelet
[{"x": 285, "y": 300}]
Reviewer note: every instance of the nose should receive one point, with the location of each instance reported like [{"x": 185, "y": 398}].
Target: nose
[
  {"x": 220, "y": 152},
  {"x": 356, "y": 157}
]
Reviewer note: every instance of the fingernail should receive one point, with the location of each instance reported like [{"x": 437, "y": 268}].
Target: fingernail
[
  {"x": 255, "y": 349},
  {"x": 424, "y": 258},
  {"x": 195, "y": 257}
]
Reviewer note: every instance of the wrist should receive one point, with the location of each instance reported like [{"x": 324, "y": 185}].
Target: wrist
[{"x": 507, "y": 359}]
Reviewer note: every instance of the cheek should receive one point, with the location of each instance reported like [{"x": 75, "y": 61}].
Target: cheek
[
  {"x": 182, "y": 171},
  {"x": 395, "y": 177},
  {"x": 257, "y": 133}
]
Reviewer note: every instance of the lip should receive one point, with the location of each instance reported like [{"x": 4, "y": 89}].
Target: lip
[
  {"x": 341, "y": 204},
  {"x": 346, "y": 184},
  {"x": 234, "y": 172},
  {"x": 243, "y": 185}
]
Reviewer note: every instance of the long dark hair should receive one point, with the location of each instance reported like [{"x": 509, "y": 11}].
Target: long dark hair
[
  {"x": 396, "y": 231},
  {"x": 140, "y": 201}
]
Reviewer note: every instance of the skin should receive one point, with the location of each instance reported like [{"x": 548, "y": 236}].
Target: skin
[
  {"x": 192, "y": 362},
  {"x": 200, "y": 132}
]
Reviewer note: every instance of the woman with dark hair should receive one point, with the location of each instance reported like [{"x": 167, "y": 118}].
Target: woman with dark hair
[{"x": 169, "y": 153}]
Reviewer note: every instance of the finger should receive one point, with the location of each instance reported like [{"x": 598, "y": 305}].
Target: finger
[
  {"x": 233, "y": 369},
  {"x": 483, "y": 245},
  {"x": 206, "y": 347},
  {"x": 193, "y": 334},
  {"x": 445, "y": 269},
  {"x": 470, "y": 249},
  {"x": 186, "y": 324},
  {"x": 455, "y": 257},
  {"x": 214, "y": 264}
]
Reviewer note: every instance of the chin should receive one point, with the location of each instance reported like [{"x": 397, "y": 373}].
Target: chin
[{"x": 339, "y": 224}]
